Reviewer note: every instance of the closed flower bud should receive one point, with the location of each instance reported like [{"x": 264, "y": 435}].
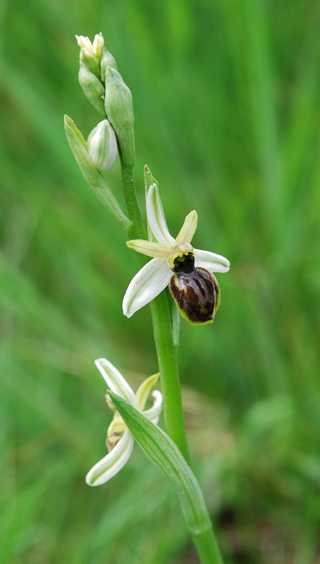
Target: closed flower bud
[
  {"x": 90, "y": 61},
  {"x": 98, "y": 45},
  {"x": 91, "y": 53},
  {"x": 107, "y": 60},
  {"x": 92, "y": 88},
  {"x": 119, "y": 110},
  {"x": 102, "y": 145}
]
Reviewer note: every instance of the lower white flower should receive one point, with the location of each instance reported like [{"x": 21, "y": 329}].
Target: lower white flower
[{"x": 119, "y": 439}]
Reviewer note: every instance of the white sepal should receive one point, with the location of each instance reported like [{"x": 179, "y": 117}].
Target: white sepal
[
  {"x": 211, "y": 261},
  {"x": 110, "y": 465},
  {"x": 146, "y": 285},
  {"x": 156, "y": 218},
  {"x": 115, "y": 381}
]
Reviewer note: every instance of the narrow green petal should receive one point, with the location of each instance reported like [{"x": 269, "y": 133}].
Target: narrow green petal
[
  {"x": 188, "y": 229},
  {"x": 144, "y": 390},
  {"x": 149, "y": 248}
]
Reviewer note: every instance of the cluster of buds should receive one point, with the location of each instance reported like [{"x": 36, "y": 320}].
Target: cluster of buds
[{"x": 110, "y": 96}]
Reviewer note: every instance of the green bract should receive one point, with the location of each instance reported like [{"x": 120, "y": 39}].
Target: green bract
[
  {"x": 119, "y": 110},
  {"x": 91, "y": 174},
  {"x": 92, "y": 88},
  {"x": 163, "y": 452},
  {"x": 107, "y": 60}
]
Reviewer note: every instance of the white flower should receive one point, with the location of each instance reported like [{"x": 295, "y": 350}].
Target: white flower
[
  {"x": 119, "y": 439},
  {"x": 169, "y": 256}
]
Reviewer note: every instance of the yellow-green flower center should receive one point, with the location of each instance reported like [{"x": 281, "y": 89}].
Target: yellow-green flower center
[{"x": 179, "y": 251}]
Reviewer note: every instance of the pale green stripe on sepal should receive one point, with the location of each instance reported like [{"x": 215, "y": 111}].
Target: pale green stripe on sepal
[
  {"x": 115, "y": 381},
  {"x": 148, "y": 181},
  {"x": 156, "y": 217},
  {"x": 93, "y": 177},
  {"x": 211, "y": 261},
  {"x": 146, "y": 285},
  {"x": 163, "y": 452},
  {"x": 112, "y": 463}
]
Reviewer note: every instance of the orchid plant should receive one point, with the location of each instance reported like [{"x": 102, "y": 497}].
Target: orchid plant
[{"x": 176, "y": 264}]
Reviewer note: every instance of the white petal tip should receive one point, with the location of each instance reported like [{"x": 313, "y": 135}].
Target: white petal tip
[{"x": 126, "y": 312}]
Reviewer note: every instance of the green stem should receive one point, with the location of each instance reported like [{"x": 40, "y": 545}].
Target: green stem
[
  {"x": 169, "y": 373},
  {"x": 137, "y": 231}
]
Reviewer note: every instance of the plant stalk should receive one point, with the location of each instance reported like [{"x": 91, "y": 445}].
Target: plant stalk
[
  {"x": 169, "y": 373},
  {"x": 162, "y": 329},
  {"x": 204, "y": 541},
  {"x": 137, "y": 230}
]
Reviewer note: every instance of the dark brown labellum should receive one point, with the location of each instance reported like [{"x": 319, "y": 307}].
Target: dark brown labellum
[{"x": 195, "y": 290}]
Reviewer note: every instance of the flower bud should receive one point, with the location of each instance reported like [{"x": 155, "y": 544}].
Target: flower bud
[
  {"x": 91, "y": 53},
  {"x": 107, "y": 60},
  {"x": 98, "y": 45},
  {"x": 92, "y": 88},
  {"x": 102, "y": 146},
  {"x": 119, "y": 110}
]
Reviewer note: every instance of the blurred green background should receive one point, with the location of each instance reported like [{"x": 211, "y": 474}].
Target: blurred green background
[{"x": 226, "y": 99}]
